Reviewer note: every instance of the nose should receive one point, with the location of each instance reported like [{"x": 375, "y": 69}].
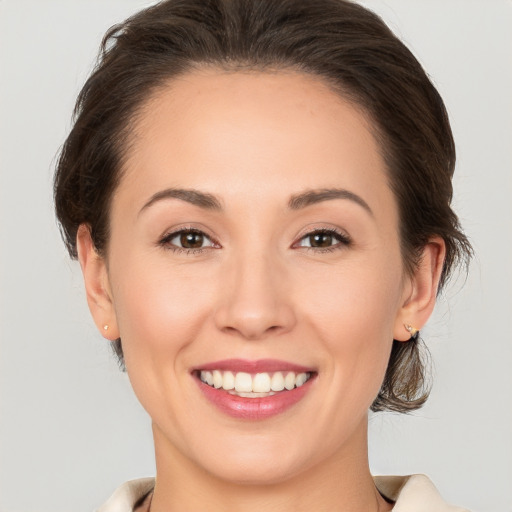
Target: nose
[{"x": 255, "y": 301}]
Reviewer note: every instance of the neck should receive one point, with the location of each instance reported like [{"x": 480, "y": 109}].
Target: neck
[{"x": 341, "y": 483}]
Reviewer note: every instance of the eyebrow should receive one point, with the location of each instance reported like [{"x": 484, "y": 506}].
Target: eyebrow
[
  {"x": 195, "y": 197},
  {"x": 296, "y": 202},
  {"x": 310, "y": 197}
]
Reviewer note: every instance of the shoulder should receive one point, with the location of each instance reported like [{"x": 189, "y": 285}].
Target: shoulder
[
  {"x": 413, "y": 493},
  {"x": 126, "y": 496}
]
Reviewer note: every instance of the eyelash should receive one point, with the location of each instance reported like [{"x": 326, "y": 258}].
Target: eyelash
[
  {"x": 343, "y": 241},
  {"x": 166, "y": 241}
]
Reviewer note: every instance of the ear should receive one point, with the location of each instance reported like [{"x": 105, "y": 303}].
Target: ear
[
  {"x": 420, "y": 290},
  {"x": 97, "y": 285}
]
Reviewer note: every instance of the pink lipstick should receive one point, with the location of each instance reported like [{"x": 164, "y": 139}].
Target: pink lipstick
[{"x": 253, "y": 390}]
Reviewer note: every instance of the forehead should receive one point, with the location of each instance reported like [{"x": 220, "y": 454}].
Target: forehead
[{"x": 252, "y": 135}]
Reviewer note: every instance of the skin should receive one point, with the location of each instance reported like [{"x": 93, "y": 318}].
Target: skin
[{"x": 253, "y": 140}]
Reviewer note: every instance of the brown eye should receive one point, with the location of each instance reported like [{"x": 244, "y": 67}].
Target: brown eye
[
  {"x": 191, "y": 239},
  {"x": 321, "y": 240},
  {"x": 324, "y": 239},
  {"x": 187, "y": 240}
]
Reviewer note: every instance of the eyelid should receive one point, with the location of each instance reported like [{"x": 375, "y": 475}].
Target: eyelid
[
  {"x": 323, "y": 229},
  {"x": 166, "y": 238},
  {"x": 343, "y": 237}
]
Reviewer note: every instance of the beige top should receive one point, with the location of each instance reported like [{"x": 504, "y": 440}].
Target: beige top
[{"x": 414, "y": 493}]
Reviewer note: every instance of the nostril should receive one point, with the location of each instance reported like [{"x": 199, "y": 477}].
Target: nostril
[{"x": 254, "y": 308}]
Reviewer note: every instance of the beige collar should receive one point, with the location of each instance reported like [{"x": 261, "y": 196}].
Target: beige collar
[{"x": 414, "y": 493}]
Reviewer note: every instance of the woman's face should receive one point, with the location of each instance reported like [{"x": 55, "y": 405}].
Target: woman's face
[{"x": 254, "y": 232}]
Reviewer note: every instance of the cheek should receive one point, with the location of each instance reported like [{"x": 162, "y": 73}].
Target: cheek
[
  {"x": 353, "y": 314},
  {"x": 360, "y": 296},
  {"x": 159, "y": 305},
  {"x": 160, "y": 311}
]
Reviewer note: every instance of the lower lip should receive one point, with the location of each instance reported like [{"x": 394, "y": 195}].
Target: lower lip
[{"x": 253, "y": 408}]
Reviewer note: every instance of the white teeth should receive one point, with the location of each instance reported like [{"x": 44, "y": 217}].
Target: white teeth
[
  {"x": 301, "y": 379},
  {"x": 229, "y": 381},
  {"x": 289, "y": 380},
  {"x": 251, "y": 395},
  {"x": 243, "y": 382},
  {"x": 207, "y": 377},
  {"x": 260, "y": 384},
  {"x": 277, "y": 382},
  {"x": 217, "y": 379}
]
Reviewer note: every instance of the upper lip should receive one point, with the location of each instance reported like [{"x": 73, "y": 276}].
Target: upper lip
[{"x": 258, "y": 366}]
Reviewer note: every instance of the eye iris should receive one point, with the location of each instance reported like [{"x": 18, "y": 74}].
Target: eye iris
[
  {"x": 191, "y": 240},
  {"x": 321, "y": 240}
]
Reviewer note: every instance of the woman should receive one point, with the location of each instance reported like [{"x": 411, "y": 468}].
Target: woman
[{"x": 259, "y": 197}]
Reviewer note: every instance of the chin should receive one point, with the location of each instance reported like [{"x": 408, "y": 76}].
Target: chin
[
  {"x": 259, "y": 472},
  {"x": 264, "y": 462}
]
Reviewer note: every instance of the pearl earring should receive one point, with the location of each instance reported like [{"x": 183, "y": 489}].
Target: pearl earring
[
  {"x": 105, "y": 327},
  {"x": 412, "y": 331}
]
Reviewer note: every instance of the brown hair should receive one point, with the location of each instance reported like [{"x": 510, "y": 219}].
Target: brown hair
[{"x": 346, "y": 45}]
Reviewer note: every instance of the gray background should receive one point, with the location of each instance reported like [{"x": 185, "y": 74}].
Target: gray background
[{"x": 70, "y": 429}]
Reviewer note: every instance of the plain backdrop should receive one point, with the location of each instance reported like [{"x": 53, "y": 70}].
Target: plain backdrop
[{"x": 71, "y": 430}]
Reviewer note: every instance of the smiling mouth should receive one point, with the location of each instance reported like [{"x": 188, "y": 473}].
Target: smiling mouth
[{"x": 255, "y": 385}]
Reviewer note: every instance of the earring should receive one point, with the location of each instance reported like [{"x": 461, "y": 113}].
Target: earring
[
  {"x": 105, "y": 327},
  {"x": 412, "y": 331}
]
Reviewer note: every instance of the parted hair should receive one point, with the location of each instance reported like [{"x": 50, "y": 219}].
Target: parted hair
[{"x": 347, "y": 46}]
